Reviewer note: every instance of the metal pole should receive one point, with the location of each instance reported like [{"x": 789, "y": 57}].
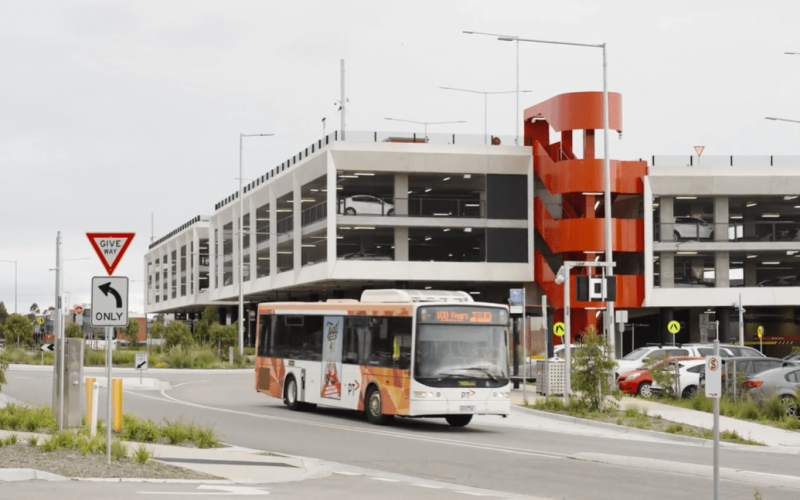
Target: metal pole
[
  {"x": 525, "y": 357},
  {"x": 716, "y": 323},
  {"x": 544, "y": 325},
  {"x": 716, "y": 434},
  {"x": 342, "y": 102},
  {"x": 56, "y": 330},
  {"x": 109, "y": 334},
  {"x": 15, "y": 287},
  {"x": 241, "y": 247},
  {"x": 567, "y": 340},
  {"x": 516, "y": 139},
  {"x": 741, "y": 321},
  {"x": 609, "y": 319}
]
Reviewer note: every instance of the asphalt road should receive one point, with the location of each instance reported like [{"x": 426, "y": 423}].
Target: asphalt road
[{"x": 524, "y": 455}]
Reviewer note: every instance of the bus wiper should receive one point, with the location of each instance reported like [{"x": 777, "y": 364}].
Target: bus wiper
[
  {"x": 484, "y": 370},
  {"x": 452, "y": 375}
]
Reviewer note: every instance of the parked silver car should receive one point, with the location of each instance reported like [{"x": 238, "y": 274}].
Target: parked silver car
[
  {"x": 691, "y": 228},
  {"x": 364, "y": 204},
  {"x": 781, "y": 382}
]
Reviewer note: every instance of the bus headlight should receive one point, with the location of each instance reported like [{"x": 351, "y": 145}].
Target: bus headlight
[{"x": 423, "y": 394}]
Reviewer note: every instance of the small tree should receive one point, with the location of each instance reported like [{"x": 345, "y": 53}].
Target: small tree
[
  {"x": 224, "y": 335},
  {"x": 661, "y": 371},
  {"x": 202, "y": 330},
  {"x": 19, "y": 327},
  {"x": 3, "y": 313},
  {"x": 591, "y": 372},
  {"x": 157, "y": 329},
  {"x": 177, "y": 333},
  {"x": 131, "y": 331},
  {"x": 35, "y": 308},
  {"x": 73, "y": 331}
]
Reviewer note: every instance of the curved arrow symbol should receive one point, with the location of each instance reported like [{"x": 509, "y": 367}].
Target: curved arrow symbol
[{"x": 106, "y": 289}]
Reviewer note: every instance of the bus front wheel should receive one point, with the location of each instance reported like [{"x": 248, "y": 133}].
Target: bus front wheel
[
  {"x": 290, "y": 397},
  {"x": 458, "y": 420},
  {"x": 374, "y": 407}
]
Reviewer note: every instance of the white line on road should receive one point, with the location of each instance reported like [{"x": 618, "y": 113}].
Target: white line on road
[
  {"x": 223, "y": 490},
  {"x": 388, "y": 480},
  {"x": 465, "y": 444},
  {"x": 192, "y": 382},
  {"x": 427, "y": 486}
]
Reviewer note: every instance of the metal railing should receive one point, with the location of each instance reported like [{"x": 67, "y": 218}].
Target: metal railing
[
  {"x": 745, "y": 161},
  {"x": 313, "y": 214},
  {"x": 262, "y": 232},
  {"x": 735, "y": 231},
  {"x": 418, "y": 207},
  {"x": 286, "y": 225}
]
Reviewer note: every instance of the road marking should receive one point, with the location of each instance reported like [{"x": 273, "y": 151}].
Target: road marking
[
  {"x": 342, "y": 473},
  {"x": 388, "y": 480},
  {"x": 192, "y": 382},
  {"x": 464, "y": 444},
  {"x": 471, "y": 493},
  {"x": 427, "y": 486},
  {"x": 223, "y": 490}
]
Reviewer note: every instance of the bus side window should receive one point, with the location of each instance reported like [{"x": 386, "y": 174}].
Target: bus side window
[
  {"x": 400, "y": 331},
  {"x": 263, "y": 333}
]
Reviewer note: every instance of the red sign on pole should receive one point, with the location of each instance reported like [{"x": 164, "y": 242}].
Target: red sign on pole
[
  {"x": 78, "y": 309},
  {"x": 110, "y": 247},
  {"x": 699, "y": 150}
]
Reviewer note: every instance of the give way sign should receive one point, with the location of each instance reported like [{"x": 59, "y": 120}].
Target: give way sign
[{"x": 110, "y": 247}]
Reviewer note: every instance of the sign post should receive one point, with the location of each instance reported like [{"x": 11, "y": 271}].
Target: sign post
[
  {"x": 141, "y": 363},
  {"x": 699, "y": 151},
  {"x": 673, "y": 327},
  {"x": 713, "y": 373},
  {"x": 761, "y": 339},
  {"x": 109, "y": 301}
]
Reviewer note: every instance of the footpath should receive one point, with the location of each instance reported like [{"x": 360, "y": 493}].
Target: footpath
[{"x": 773, "y": 437}]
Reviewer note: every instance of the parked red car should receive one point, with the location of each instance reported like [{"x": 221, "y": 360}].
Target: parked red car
[{"x": 639, "y": 381}]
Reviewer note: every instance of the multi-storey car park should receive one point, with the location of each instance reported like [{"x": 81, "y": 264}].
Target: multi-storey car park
[{"x": 450, "y": 212}]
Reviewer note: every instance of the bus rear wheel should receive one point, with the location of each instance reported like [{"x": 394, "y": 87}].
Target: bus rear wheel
[
  {"x": 373, "y": 407},
  {"x": 458, "y": 420}
]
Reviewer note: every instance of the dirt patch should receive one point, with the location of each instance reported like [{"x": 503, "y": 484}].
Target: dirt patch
[{"x": 71, "y": 463}]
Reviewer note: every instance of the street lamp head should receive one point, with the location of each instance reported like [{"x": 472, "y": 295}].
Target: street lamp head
[
  {"x": 506, "y": 39},
  {"x": 560, "y": 276},
  {"x": 770, "y": 118}
]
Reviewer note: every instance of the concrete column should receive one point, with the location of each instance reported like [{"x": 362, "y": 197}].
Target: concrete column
[
  {"x": 749, "y": 226},
  {"x": 750, "y": 278},
  {"x": 401, "y": 244},
  {"x": 250, "y": 207},
  {"x": 666, "y": 213},
  {"x": 667, "y": 273},
  {"x": 273, "y": 229},
  {"x": 693, "y": 333},
  {"x": 297, "y": 217},
  {"x": 722, "y": 269},
  {"x": 667, "y": 315},
  {"x": 400, "y": 195},
  {"x": 721, "y": 217}
]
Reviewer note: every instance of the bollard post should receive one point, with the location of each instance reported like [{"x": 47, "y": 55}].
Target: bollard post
[
  {"x": 95, "y": 401},
  {"x": 230, "y": 355},
  {"x": 88, "y": 386},
  {"x": 116, "y": 394}
]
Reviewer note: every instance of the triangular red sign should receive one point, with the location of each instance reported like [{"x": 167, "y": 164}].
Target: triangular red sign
[
  {"x": 699, "y": 150},
  {"x": 110, "y": 247}
]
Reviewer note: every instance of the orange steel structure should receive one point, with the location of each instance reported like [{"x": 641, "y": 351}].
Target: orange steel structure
[{"x": 577, "y": 233}]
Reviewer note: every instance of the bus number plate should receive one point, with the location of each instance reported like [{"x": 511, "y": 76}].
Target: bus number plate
[{"x": 466, "y": 408}]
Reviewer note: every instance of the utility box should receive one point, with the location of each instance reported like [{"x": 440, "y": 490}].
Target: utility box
[
  {"x": 70, "y": 377},
  {"x": 550, "y": 380}
]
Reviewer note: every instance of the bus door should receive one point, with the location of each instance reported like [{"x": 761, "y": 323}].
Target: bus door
[{"x": 332, "y": 341}]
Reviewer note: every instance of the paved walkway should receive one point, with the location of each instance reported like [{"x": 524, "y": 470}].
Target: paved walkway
[{"x": 770, "y": 436}]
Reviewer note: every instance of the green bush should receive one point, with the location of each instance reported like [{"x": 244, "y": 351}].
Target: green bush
[
  {"x": 177, "y": 432},
  {"x": 748, "y": 410},
  {"x": 591, "y": 371},
  {"x": 142, "y": 455},
  {"x": 33, "y": 440},
  {"x": 674, "y": 428},
  {"x": 549, "y": 404},
  {"x": 50, "y": 444},
  {"x": 134, "y": 429},
  {"x": 773, "y": 409},
  {"x": 118, "y": 451},
  {"x": 177, "y": 333},
  {"x": 206, "y": 437}
]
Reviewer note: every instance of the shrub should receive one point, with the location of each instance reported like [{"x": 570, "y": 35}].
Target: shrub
[
  {"x": 33, "y": 440},
  {"x": 674, "y": 428},
  {"x": 118, "y": 451},
  {"x": 177, "y": 432},
  {"x": 66, "y": 439},
  {"x": 591, "y": 371},
  {"x": 549, "y": 404},
  {"x": 142, "y": 455},
  {"x": 134, "y": 429},
  {"x": 11, "y": 440},
  {"x": 177, "y": 333},
  {"x": 50, "y": 444},
  {"x": 773, "y": 409},
  {"x": 701, "y": 403},
  {"x": 206, "y": 437},
  {"x": 748, "y": 410}
]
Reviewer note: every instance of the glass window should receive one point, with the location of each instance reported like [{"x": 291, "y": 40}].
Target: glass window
[
  {"x": 636, "y": 354},
  {"x": 379, "y": 341},
  {"x": 793, "y": 376}
]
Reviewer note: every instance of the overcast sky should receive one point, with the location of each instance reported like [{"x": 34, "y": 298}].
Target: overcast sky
[{"x": 111, "y": 111}]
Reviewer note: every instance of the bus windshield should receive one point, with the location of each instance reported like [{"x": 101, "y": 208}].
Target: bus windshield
[{"x": 447, "y": 354}]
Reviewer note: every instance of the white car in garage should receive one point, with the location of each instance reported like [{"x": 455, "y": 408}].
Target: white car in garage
[
  {"x": 691, "y": 228},
  {"x": 364, "y": 204}
]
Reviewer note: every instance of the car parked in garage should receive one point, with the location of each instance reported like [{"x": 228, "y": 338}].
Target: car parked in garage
[
  {"x": 364, "y": 204},
  {"x": 691, "y": 228}
]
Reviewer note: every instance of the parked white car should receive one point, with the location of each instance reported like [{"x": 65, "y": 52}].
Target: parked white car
[
  {"x": 691, "y": 228},
  {"x": 688, "y": 376},
  {"x": 364, "y": 204}
]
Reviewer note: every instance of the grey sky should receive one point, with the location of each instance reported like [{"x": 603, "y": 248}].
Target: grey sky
[{"x": 112, "y": 110}]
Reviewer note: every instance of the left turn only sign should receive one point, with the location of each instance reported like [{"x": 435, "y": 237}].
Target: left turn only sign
[{"x": 109, "y": 301}]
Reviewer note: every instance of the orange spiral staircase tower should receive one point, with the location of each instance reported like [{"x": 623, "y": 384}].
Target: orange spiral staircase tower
[{"x": 575, "y": 187}]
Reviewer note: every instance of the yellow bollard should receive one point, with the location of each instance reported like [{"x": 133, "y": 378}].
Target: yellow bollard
[
  {"x": 88, "y": 387},
  {"x": 116, "y": 401}
]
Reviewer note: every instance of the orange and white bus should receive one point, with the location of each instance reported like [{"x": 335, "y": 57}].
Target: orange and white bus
[{"x": 410, "y": 353}]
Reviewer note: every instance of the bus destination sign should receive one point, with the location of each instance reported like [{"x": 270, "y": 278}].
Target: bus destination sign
[{"x": 486, "y": 315}]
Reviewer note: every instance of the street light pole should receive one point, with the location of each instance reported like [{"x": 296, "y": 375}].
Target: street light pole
[
  {"x": 241, "y": 236},
  {"x": 425, "y": 124},
  {"x": 15, "y": 282},
  {"x": 486, "y": 105}
]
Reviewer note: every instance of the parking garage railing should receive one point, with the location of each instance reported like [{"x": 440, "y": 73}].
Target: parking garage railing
[
  {"x": 313, "y": 214},
  {"x": 423, "y": 207},
  {"x": 735, "y": 231},
  {"x": 262, "y": 232},
  {"x": 286, "y": 225}
]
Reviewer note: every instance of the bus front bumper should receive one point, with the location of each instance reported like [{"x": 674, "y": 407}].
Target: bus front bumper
[{"x": 421, "y": 408}]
